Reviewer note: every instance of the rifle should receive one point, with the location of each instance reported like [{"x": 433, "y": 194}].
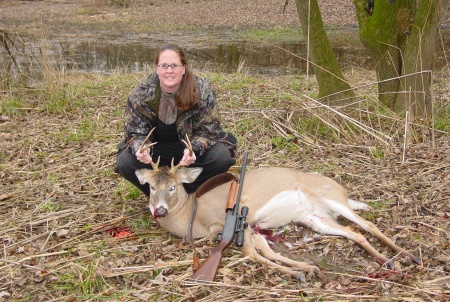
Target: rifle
[{"x": 234, "y": 225}]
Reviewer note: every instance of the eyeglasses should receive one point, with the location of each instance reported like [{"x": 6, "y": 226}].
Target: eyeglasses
[{"x": 166, "y": 66}]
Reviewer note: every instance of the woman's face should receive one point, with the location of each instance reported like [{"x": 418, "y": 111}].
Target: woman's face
[{"x": 170, "y": 71}]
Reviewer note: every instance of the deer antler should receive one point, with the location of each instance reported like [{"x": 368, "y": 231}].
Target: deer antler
[
  {"x": 188, "y": 145},
  {"x": 155, "y": 165},
  {"x": 145, "y": 147}
]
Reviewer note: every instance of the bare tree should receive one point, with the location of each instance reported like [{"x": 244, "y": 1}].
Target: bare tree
[
  {"x": 401, "y": 38},
  {"x": 333, "y": 87}
]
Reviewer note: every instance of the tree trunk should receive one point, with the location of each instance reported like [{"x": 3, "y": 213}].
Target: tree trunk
[
  {"x": 400, "y": 37},
  {"x": 419, "y": 55},
  {"x": 333, "y": 87}
]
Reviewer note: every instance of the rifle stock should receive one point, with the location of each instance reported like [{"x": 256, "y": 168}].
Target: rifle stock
[{"x": 208, "y": 270}]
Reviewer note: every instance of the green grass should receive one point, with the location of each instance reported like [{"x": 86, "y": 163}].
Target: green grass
[
  {"x": 50, "y": 206},
  {"x": 82, "y": 279},
  {"x": 121, "y": 3},
  {"x": 144, "y": 222},
  {"x": 442, "y": 118},
  {"x": 234, "y": 81},
  {"x": 380, "y": 204},
  {"x": 88, "y": 11},
  {"x": 11, "y": 107},
  {"x": 377, "y": 152},
  {"x": 83, "y": 131},
  {"x": 128, "y": 191},
  {"x": 285, "y": 143},
  {"x": 312, "y": 124}
]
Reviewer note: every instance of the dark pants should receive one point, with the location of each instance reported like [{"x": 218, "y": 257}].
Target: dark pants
[{"x": 214, "y": 161}]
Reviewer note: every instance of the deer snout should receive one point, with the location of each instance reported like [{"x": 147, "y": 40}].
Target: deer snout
[{"x": 160, "y": 212}]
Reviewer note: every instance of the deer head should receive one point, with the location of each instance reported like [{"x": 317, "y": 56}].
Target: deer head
[
  {"x": 166, "y": 187},
  {"x": 166, "y": 184}
]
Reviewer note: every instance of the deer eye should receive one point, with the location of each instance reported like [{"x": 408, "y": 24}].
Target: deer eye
[{"x": 172, "y": 188}]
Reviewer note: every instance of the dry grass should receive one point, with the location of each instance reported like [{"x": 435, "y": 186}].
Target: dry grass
[{"x": 62, "y": 208}]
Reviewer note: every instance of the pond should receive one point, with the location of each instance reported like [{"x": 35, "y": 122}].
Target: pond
[
  {"x": 282, "y": 58},
  {"x": 105, "y": 56}
]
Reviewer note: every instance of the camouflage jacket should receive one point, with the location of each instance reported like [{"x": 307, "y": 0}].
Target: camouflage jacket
[{"x": 201, "y": 123}]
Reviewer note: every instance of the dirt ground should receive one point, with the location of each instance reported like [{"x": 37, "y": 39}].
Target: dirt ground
[
  {"x": 71, "y": 17},
  {"x": 70, "y": 231}
]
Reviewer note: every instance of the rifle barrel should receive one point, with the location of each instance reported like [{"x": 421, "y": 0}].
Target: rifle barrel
[{"x": 241, "y": 182}]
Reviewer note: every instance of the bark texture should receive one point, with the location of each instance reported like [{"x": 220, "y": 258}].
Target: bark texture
[
  {"x": 401, "y": 37},
  {"x": 333, "y": 87}
]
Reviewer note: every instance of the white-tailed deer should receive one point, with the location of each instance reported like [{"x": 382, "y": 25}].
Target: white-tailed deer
[{"x": 275, "y": 197}]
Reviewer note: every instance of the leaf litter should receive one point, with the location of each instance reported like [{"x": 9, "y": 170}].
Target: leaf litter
[
  {"x": 69, "y": 232},
  {"x": 66, "y": 222}
]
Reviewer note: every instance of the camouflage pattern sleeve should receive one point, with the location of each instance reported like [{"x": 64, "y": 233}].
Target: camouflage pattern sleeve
[{"x": 138, "y": 117}]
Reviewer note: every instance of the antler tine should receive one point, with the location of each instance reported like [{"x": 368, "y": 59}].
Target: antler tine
[
  {"x": 188, "y": 144},
  {"x": 143, "y": 146},
  {"x": 155, "y": 165},
  {"x": 174, "y": 168}
]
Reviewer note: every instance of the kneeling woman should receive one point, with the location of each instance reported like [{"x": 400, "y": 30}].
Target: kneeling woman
[{"x": 176, "y": 103}]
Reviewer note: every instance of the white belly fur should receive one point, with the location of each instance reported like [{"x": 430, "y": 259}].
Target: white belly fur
[{"x": 284, "y": 208}]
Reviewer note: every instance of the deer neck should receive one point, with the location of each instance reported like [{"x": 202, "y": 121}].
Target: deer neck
[
  {"x": 184, "y": 204},
  {"x": 179, "y": 218}
]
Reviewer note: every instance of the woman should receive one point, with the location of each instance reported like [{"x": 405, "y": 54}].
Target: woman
[{"x": 176, "y": 103}]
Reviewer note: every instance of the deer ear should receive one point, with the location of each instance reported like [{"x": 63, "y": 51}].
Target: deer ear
[
  {"x": 188, "y": 175},
  {"x": 143, "y": 175}
]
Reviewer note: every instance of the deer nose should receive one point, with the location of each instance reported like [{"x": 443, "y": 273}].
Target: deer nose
[{"x": 161, "y": 212}]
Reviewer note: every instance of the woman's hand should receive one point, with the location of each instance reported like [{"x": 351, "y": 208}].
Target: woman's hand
[
  {"x": 144, "y": 156},
  {"x": 187, "y": 158}
]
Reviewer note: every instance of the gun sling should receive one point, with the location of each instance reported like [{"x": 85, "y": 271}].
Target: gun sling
[{"x": 207, "y": 186}]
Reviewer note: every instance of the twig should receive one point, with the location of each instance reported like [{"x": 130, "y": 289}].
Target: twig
[
  {"x": 390, "y": 282},
  {"x": 436, "y": 228},
  {"x": 353, "y": 121},
  {"x": 405, "y": 138},
  {"x": 291, "y": 130},
  {"x": 22, "y": 265},
  {"x": 107, "y": 224}
]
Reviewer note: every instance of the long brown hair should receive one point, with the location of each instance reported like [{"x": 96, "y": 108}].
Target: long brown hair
[{"x": 186, "y": 96}]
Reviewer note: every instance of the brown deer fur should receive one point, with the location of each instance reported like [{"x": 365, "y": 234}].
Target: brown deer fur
[{"x": 275, "y": 197}]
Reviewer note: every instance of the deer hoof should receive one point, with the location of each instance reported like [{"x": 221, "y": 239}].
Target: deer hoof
[
  {"x": 390, "y": 264},
  {"x": 416, "y": 260},
  {"x": 301, "y": 277},
  {"x": 315, "y": 271}
]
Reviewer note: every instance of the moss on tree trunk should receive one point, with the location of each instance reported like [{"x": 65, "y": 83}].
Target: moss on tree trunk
[
  {"x": 333, "y": 87},
  {"x": 400, "y": 38}
]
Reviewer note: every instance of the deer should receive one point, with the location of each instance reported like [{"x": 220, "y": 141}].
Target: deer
[{"x": 276, "y": 197}]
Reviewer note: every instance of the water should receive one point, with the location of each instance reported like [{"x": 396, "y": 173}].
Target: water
[
  {"x": 283, "y": 58},
  {"x": 105, "y": 56}
]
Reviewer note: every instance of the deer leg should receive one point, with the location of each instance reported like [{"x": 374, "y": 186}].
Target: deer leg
[
  {"x": 257, "y": 248},
  {"x": 327, "y": 225},
  {"x": 372, "y": 229},
  {"x": 367, "y": 226}
]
